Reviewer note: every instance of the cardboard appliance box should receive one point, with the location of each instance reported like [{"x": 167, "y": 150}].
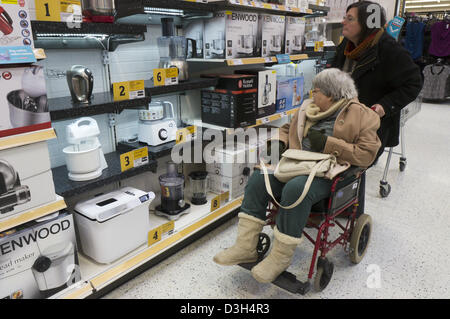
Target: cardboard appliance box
[
  {"x": 39, "y": 258},
  {"x": 271, "y": 30},
  {"x": 23, "y": 100},
  {"x": 295, "y": 35},
  {"x": 26, "y": 179},
  {"x": 231, "y": 35},
  {"x": 289, "y": 93}
]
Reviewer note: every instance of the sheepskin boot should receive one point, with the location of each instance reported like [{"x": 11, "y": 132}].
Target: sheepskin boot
[
  {"x": 278, "y": 259},
  {"x": 244, "y": 250}
]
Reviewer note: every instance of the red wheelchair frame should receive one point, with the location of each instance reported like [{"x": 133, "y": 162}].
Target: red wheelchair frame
[{"x": 354, "y": 237}]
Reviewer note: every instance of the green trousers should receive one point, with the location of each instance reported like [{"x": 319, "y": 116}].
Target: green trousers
[{"x": 290, "y": 222}]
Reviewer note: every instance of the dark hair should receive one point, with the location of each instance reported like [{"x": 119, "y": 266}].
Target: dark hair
[{"x": 365, "y": 15}]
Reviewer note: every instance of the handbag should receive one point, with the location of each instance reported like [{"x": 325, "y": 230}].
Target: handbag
[{"x": 297, "y": 163}]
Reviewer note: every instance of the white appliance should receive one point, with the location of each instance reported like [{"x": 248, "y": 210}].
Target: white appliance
[
  {"x": 155, "y": 129},
  {"x": 55, "y": 267},
  {"x": 84, "y": 157},
  {"x": 113, "y": 224}
]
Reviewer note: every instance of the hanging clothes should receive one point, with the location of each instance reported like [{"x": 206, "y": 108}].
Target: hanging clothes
[
  {"x": 440, "y": 39},
  {"x": 435, "y": 86},
  {"x": 414, "y": 39}
]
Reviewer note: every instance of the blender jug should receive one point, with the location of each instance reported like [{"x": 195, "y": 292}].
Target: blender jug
[
  {"x": 172, "y": 190},
  {"x": 173, "y": 50},
  {"x": 198, "y": 182}
]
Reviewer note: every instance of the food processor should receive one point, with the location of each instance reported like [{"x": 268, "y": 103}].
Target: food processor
[
  {"x": 198, "y": 183},
  {"x": 218, "y": 46},
  {"x": 157, "y": 124},
  {"x": 173, "y": 204},
  {"x": 245, "y": 45},
  {"x": 84, "y": 157},
  {"x": 12, "y": 193},
  {"x": 173, "y": 50},
  {"x": 275, "y": 44}
]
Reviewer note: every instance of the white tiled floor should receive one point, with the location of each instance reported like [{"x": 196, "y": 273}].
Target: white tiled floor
[{"x": 408, "y": 255}]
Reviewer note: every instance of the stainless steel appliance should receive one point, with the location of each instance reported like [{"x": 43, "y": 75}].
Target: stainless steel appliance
[
  {"x": 81, "y": 83},
  {"x": 173, "y": 50},
  {"x": 98, "y": 10},
  {"x": 173, "y": 204},
  {"x": 12, "y": 193}
]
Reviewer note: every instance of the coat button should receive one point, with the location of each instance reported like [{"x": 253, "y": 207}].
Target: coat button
[
  {"x": 336, "y": 153},
  {"x": 341, "y": 122}
]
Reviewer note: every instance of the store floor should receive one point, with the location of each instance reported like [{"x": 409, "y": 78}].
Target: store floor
[{"x": 408, "y": 256}]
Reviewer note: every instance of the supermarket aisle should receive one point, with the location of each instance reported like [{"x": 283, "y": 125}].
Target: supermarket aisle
[{"x": 407, "y": 257}]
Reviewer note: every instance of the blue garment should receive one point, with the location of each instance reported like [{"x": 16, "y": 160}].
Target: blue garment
[{"x": 414, "y": 39}]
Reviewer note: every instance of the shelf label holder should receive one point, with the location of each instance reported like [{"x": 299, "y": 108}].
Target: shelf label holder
[{"x": 134, "y": 158}]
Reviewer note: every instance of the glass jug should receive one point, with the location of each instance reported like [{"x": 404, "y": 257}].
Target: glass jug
[{"x": 198, "y": 182}]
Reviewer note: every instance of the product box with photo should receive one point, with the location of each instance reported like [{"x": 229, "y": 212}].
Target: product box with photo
[
  {"x": 271, "y": 30},
  {"x": 39, "y": 259},
  {"x": 16, "y": 37},
  {"x": 295, "y": 35},
  {"x": 26, "y": 180},
  {"x": 230, "y": 35},
  {"x": 23, "y": 100}
]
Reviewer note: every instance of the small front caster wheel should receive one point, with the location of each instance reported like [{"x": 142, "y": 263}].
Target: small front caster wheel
[
  {"x": 402, "y": 164},
  {"x": 385, "y": 190},
  {"x": 263, "y": 245},
  {"x": 323, "y": 276}
]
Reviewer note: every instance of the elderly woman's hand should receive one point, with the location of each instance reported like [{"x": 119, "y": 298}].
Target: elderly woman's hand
[{"x": 317, "y": 139}]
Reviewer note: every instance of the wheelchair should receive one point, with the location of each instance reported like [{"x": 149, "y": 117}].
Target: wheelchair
[{"x": 355, "y": 235}]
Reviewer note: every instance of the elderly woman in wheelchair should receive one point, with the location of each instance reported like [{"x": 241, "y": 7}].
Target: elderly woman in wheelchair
[{"x": 332, "y": 122}]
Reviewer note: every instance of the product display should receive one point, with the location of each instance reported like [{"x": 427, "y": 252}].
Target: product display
[
  {"x": 289, "y": 93},
  {"x": 295, "y": 35},
  {"x": 233, "y": 164},
  {"x": 194, "y": 30},
  {"x": 113, "y": 224},
  {"x": 198, "y": 183},
  {"x": 84, "y": 156},
  {"x": 267, "y": 83},
  {"x": 231, "y": 35},
  {"x": 271, "y": 34},
  {"x": 81, "y": 83},
  {"x": 24, "y": 186},
  {"x": 157, "y": 124},
  {"x": 98, "y": 10},
  {"x": 23, "y": 100},
  {"x": 173, "y": 204},
  {"x": 39, "y": 259},
  {"x": 15, "y": 26},
  {"x": 173, "y": 50}
]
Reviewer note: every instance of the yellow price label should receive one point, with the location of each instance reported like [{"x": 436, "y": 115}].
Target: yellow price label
[
  {"x": 121, "y": 91},
  {"x": 225, "y": 197},
  {"x": 215, "y": 203},
  {"x": 185, "y": 134},
  {"x": 48, "y": 10},
  {"x": 154, "y": 236},
  {"x": 134, "y": 158},
  {"x": 165, "y": 76},
  {"x": 318, "y": 46}
]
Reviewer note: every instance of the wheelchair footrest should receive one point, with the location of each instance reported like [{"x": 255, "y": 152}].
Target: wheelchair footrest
[{"x": 286, "y": 281}]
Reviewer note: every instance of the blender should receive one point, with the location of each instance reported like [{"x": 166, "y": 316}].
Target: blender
[
  {"x": 173, "y": 204},
  {"x": 267, "y": 90},
  {"x": 173, "y": 49},
  {"x": 198, "y": 182}
]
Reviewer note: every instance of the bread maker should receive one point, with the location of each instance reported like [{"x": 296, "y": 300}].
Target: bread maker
[{"x": 113, "y": 224}]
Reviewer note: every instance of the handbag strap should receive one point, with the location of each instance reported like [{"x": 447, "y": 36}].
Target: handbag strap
[{"x": 308, "y": 183}]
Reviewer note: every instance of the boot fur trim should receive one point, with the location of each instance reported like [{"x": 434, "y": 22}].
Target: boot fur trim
[
  {"x": 286, "y": 239},
  {"x": 252, "y": 218}
]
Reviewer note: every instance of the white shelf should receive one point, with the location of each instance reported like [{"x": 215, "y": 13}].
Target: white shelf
[
  {"x": 97, "y": 276},
  {"x": 26, "y": 138}
]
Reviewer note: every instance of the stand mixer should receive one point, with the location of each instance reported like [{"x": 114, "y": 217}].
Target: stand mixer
[
  {"x": 84, "y": 157},
  {"x": 12, "y": 193}
]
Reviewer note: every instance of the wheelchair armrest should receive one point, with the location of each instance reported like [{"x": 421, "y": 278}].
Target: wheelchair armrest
[{"x": 352, "y": 171}]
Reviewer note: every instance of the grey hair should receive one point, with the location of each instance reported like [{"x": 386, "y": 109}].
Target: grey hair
[{"x": 336, "y": 84}]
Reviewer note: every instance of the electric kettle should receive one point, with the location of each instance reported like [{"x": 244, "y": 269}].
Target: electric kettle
[
  {"x": 5, "y": 22},
  {"x": 81, "y": 83}
]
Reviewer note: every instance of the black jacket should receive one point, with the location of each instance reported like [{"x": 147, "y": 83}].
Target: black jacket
[{"x": 385, "y": 74}]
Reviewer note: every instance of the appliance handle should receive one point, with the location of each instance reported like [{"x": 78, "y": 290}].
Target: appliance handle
[
  {"x": 194, "y": 48},
  {"x": 171, "y": 108},
  {"x": 84, "y": 119}
]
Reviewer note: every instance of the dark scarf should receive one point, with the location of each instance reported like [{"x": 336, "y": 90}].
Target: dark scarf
[{"x": 355, "y": 53}]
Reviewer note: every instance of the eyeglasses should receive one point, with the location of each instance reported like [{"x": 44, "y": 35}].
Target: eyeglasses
[{"x": 349, "y": 18}]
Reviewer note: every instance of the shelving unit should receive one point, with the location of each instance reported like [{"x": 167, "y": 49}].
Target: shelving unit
[
  {"x": 67, "y": 188},
  {"x": 192, "y": 84},
  {"x": 189, "y": 227},
  {"x": 26, "y": 138},
  {"x": 100, "y": 103},
  {"x": 249, "y": 61}
]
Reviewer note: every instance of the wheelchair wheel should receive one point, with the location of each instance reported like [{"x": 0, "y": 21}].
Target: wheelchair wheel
[
  {"x": 385, "y": 189},
  {"x": 323, "y": 275},
  {"x": 402, "y": 164},
  {"x": 263, "y": 245},
  {"x": 360, "y": 238}
]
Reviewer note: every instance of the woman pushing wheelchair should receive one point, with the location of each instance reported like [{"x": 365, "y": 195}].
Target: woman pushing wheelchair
[{"x": 332, "y": 122}]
